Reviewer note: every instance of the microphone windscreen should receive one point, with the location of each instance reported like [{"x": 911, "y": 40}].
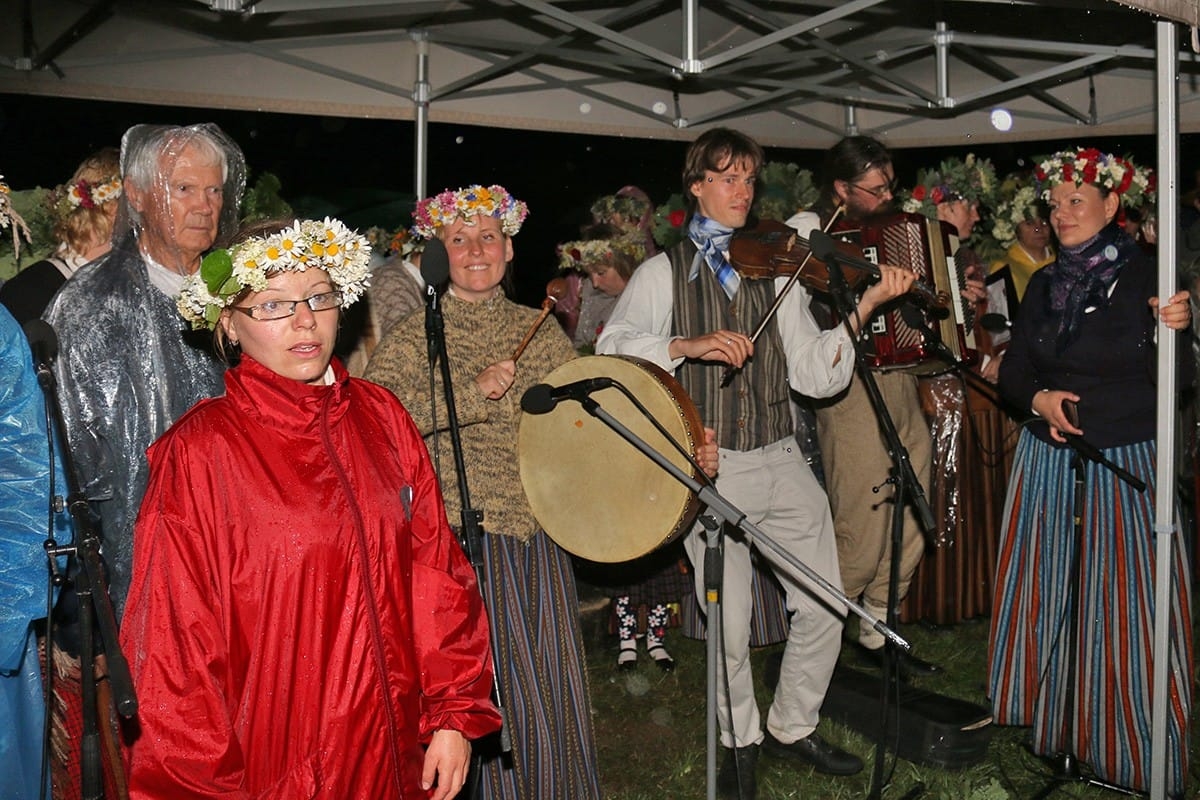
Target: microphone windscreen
[
  {"x": 538, "y": 399},
  {"x": 42, "y": 338},
  {"x": 912, "y": 315},
  {"x": 994, "y": 323},
  {"x": 435, "y": 262},
  {"x": 821, "y": 245}
]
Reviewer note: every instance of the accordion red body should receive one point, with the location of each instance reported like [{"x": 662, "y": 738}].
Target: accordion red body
[{"x": 927, "y": 247}]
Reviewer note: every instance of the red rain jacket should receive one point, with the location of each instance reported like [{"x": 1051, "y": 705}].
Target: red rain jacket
[{"x": 301, "y": 618}]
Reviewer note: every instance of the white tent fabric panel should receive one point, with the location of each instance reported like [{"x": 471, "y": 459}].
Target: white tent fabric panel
[{"x": 789, "y": 74}]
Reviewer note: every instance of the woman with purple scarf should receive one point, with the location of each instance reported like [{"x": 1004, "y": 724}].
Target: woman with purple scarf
[{"x": 1082, "y": 359}]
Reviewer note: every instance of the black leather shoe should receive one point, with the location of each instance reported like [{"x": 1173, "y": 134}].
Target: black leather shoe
[
  {"x": 735, "y": 778},
  {"x": 816, "y": 752},
  {"x": 910, "y": 665}
]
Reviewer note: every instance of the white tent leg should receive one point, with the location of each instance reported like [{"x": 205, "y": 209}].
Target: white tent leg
[
  {"x": 421, "y": 100},
  {"x": 1165, "y": 526}
]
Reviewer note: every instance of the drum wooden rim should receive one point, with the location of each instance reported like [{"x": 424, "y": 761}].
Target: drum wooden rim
[{"x": 590, "y": 490}]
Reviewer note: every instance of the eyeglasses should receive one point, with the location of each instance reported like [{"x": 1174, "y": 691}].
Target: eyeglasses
[
  {"x": 282, "y": 309},
  {"x": 879, "y": 192}
]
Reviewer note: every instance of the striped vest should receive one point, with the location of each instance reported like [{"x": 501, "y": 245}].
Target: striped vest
[{"x": 753, "y": 410}]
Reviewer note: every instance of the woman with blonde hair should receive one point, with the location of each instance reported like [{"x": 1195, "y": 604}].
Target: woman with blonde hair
[{"x": 83, "y": 210}]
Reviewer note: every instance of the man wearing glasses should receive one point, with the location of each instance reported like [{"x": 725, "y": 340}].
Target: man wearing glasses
[{"x": 859, "y": 177}]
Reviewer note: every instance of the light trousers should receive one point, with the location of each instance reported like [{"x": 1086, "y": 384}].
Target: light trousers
[{"x": 776, "y": 490}]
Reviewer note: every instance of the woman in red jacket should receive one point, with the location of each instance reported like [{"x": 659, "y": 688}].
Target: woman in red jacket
[{"x": 302, "y": 622}]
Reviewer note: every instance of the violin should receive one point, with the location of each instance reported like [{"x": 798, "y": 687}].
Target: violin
[{"x": 773, "y": 250}]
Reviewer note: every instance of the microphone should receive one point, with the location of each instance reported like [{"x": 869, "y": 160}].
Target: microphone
[
  {"x": 995, "y": 323},
  {"x": 541, "y": 398},
  {"x": 435, "y": 263},
  {"x": 824, "y": 248},
  {"x": 435, "y": 269},
  {"x": 43, "y": 341}
]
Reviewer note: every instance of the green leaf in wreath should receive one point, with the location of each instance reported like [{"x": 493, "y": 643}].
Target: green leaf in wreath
[
  {"x": 229, "y": 287},
  {"x": 216, "y": 269}
]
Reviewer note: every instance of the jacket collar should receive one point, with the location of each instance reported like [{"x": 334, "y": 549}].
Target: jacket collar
[{"x": 281, "y": 402}]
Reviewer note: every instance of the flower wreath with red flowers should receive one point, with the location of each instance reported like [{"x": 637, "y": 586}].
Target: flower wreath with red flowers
[
  {"x": 972, "y": 179},
  {"x": 84, "y": 194},
  {"x": 669, "y": 218},
  {"x": 596, "y": 252},
  {"x": 1134, "y": 184}
]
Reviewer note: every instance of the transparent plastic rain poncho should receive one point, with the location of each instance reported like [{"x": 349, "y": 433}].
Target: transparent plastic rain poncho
[
  {"x": 24, "y": 573},
  {"x": 127, "y": 369}
]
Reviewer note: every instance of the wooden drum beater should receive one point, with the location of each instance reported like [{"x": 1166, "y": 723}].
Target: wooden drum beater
[{"x": 555, "y": 289}]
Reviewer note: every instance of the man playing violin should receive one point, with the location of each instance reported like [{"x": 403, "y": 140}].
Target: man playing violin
[
  {"x": 859, "y": 177},
  {"x": 689, "y": 311}
]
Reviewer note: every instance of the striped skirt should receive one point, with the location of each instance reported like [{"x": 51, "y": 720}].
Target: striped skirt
[
  {"x": 1030, "y": 676},
  {"x": 533, "y": 608}
]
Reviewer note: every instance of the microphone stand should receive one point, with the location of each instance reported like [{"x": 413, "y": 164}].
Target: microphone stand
[
  {"x": 95, "y": 605},
  {"x": 726, "y": 511},
  {"x": 908, "y": 490},
  {"x": 471, "y": 537}
]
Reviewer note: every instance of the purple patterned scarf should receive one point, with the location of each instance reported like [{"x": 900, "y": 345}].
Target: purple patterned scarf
[{"x": 1082, "y": 276}]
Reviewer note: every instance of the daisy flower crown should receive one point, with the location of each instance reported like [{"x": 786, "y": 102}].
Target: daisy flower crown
[
  {"x": 972, "y": 179},
  {"x": 442, "y": 209},
  {"x": 593, "y": 252},
  {"x": 84, "y": 194},
  {"x": 1134, "y": 184},
  {"x": 321, "y": 244},
  {"x": 1020, "y": 206}
]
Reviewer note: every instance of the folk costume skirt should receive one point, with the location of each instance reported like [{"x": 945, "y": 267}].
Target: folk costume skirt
[
  {"x": 533, "y": 607},
  {"x": 1029, "y": 675}
]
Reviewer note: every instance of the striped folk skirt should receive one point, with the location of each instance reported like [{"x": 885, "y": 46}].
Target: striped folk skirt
[
  {"x": 1029, "y": 678},
  {"x": 533, "y": 608}
]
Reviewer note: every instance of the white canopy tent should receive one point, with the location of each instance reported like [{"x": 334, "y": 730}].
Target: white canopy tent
[{"x": 792, "y": 73}]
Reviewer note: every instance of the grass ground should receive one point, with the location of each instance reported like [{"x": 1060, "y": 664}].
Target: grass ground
[{"x": 650, "y": 729}]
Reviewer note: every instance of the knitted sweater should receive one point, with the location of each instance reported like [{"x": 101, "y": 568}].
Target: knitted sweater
[{"x": 477, "y": 335}]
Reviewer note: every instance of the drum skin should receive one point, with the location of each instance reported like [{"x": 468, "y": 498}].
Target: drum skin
[{"x": 592, "y": 492}]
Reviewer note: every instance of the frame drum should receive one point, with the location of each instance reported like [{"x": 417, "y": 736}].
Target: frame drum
[{"x": 592, "y": 492}]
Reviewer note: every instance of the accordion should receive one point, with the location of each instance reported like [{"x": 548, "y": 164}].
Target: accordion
[{"x": 899, "y": 336}]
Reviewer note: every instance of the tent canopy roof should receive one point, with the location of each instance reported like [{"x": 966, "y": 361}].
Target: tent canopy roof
[{"x": 790, "y": 72}]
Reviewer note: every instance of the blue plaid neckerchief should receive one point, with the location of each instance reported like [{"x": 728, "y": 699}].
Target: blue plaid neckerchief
[{"x": 712, "y": 240}]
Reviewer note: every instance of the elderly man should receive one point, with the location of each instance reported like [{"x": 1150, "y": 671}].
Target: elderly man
[{"x": 126, "y": 370}]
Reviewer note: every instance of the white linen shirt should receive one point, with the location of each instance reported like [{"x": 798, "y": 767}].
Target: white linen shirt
[{"x": 640, "y": 325}]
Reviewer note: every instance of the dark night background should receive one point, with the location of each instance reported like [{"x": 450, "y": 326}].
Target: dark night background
[{"x": 353, "y": 163}]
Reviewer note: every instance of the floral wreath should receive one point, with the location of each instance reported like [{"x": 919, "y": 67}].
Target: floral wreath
[
  {"x": 1135, "y": 185},
  {"x": 580, "y": 255},
  {"x": 972, "y": 179},
  {"x": 668, "y": 221},
  {"x": 10, "y": 217},
  {"x": 225, "y": 274},
  {"x": 784, "y": 189},
  {"x": 1021, "y": 204},
  {"x": 404, "y": 244},
  {"x": 630, "y": 209},
  {"x": 440, "y": 210},
  {"x": 84, "y": 194}
]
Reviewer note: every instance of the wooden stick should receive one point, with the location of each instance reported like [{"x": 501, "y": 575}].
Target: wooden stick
[{"x": 547, "y": 306}]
